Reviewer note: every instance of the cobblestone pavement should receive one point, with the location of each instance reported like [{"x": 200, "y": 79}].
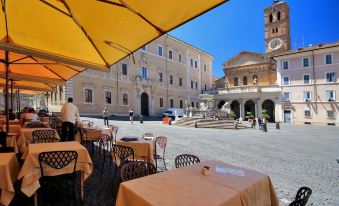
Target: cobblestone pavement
[{"x": 293, "y": 156}]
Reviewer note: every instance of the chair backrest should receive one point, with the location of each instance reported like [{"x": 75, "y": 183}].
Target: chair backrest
[
  {"x": 3, "y": 139},
  {"x": 302, "y": 196},
  {"x": 185, "y": 160},
  {"x": 148, "y": 134},
  {"x": 44, "y": 136},
  {"x": 57, "y": 159},
  {"x": 137, "y": 169},
  {"x": 161, "y": 141},
  {"x": 35, "y": 124},
  {"x": 122, "y": 152}
]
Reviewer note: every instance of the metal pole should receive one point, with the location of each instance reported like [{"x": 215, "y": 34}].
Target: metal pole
[
  {"x": 6, "y": 99},
  {"x": 12, "y": 96}
]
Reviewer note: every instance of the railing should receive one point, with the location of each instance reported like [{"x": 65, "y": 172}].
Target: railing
[
  {"x": 249, "y": 89},
  {"x": 140, "y": 80}
]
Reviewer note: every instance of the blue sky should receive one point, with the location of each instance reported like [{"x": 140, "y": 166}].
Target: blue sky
[{"x": 238, "y": 25}]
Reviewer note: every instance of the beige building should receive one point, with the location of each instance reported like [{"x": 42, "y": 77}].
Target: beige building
[
  {"x": 309, "y": 81},
  {"x": 165, "y": 73}
]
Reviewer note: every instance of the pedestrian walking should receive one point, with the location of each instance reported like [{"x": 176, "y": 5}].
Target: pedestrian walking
[
  {"x": 259, "y": 123},
  {"x": 130, "y": 111},
  {"x": 69, "y": 118},
  {"x": 105, "y": 115}
]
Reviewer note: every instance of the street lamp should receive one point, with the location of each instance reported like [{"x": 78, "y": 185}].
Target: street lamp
[{"x": 47, "y": 96}]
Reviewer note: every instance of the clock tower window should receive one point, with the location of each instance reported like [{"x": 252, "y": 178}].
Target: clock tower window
[
  {"x": 279, "y": 16},
  {"x": 271, "y": 18}
]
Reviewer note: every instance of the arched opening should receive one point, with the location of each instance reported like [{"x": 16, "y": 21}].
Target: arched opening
[
  {"x": 271, "y": 18},
  {"x": 235, "y": 107},
  {"x": 236, "y": 81},
  {"x": 144, "y": 104},
  {"x": 268, "y": 105},
  {"x": 249, "y": 107},
  {"x": 279, "y": 15},
  {"x": 244, "y": 80},
  {"x": 220, "y": 104}
]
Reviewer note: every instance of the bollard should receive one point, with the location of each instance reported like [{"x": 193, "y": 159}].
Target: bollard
[
  {"x": 170, "y": 121},
  {"x": 277, "y": 125},
  {"x": 141, "y": 119},
  {"x": 264, "y": 127},
  {"x": 195, "y": 124},
  {"x": 235, "y": 125}
]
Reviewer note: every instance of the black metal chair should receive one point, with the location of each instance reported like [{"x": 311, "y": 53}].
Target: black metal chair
[
  {"x": 185, "y": 160},
  {"x": 35, "y": 124},
  {"x": 121, "y": 155},
  {"x": 57, "y": 160},
  {"x": 106, "y": 145},
  {"x": 137, "y": 169},
  {"x": 160, "y": 142},
  {"x": 44, "y": 136},
  {"x": 301, "y": 197}
]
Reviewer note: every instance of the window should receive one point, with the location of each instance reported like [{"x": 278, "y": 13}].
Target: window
[
  {"x": 205, "y": 67},
  {"x": 307, "y": 96},
  {"x": 192, "y": 104},
  {"x": 171, "y": 79},
  {"x": 330, "y": 114},
  {"x": 307, "y": 113},
  {"x": 124, "y": 69},
  {"x": 236, "y": 81},
  {"x": 144, "y": 72},
  {"x": 306, "y": 62},
  {"x": 196, "y": 85},
  {"x": 196, "y": 105},
  {"x": 286, "y": 81},
  {"x": 88, "y": 96},
  {"x": 108, "y": 97},
  {"x": 271, "y": 18},
  {"x": 180, "y": 81},
  {"x": 170, "y": 54},
  {"x": 279, "y": 15},
  {"x": 161, "y": 103},
  {"x": 328, "y": 59},
  {"x": 181, "y": 105},
  {"x": 307, "y": 79},
  {"x": 286, "y": 97},
  {"x": 192, "y": 84},
  {"x": 160, "y": 50},
  {"x": 330, "y": 95},
  {"x": 205, "y": 87},
  {"x": 160, "y": 77},
  {"x": 191, "y": 62},
  {"x": 143, "y": 48},
  {"x": 330, "y": 77},
  {"x": 244, "y": 80},
  {"x": 171, "y": 103},
  {"x": 285, "y": 64},
  {"x": 180, "y": 58},
  {"x": 195, "y": 64},
  {"x": 125, "y": 99}
]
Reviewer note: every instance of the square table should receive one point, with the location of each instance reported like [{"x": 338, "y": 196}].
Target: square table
[
  {"x": 143, "y": 149},
  {"x": 26, "y": 137},
  {"x": 30, "y": 172},
  {"x": 187, "y": 186},
  {"x": 9, "y": 170}
]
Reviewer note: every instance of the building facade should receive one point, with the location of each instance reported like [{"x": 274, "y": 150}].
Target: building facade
[
  {"x": 309, "y": 81},
  {"x": 165, "y": 73}
]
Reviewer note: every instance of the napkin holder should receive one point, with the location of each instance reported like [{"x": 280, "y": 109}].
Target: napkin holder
[{"x": 206, "y": 171}]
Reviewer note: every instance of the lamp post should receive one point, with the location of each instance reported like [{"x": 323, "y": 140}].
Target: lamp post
[{"x": 47, "y": 96}]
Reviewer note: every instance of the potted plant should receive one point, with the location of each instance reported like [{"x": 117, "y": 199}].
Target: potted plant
[{"x": 265, "y": 115}]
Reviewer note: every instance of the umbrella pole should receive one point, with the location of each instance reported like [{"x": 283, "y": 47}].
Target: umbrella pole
[
  {"x": 12, "y": 96},
  {"x": 6, "y": 99},
  {"x": 19, "y": 102}
]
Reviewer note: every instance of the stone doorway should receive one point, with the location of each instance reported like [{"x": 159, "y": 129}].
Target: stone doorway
[
  {"x": 144, "y": 104},
  {"x": 249, "y": 107},
  {"x": 268, "y": 105}
]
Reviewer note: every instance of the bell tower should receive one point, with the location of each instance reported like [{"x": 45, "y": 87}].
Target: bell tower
[{"x": 277, "y": 28}]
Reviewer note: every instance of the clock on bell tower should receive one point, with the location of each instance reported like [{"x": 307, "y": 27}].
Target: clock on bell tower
[{"x": 277, "y": 28}]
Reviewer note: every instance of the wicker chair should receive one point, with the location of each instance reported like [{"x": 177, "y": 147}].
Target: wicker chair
[
  {"x": 185, "y": 160},
  {"x": 35, "y": 124},
  {"x": 137, "y": 169},
  {"x": 160, "y": 142},
  {"x": 106, "y": 145},
  {"x": 301, "y": 197},
  {"x": 44, "y": 136},
  {"x": 122, "y": 154},
  {"x": 57, "y": 160}
]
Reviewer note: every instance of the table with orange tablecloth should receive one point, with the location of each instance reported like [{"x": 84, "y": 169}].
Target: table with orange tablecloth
[
  {"x": 143, "y": 149},
  {"x": 12, "y": 128},
  {"x": 94, "y": 133},
  {"x": 187, "y": 186},
  {"x": 9, "y": 170},
  {"x": 25, "y": 137},
  {"x": 30, "y": 172}
]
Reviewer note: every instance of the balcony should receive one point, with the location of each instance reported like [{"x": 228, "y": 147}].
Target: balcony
[
  {"x": 249, "y": 89},
  {"x": 137, "y": 79}
]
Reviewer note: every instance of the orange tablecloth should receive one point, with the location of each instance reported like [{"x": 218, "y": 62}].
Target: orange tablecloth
[
  {"x": 186, "y": 186},
  {"x": 9, "y": 170},
  {"x": 25, "y": 137},
  {"x": 143, "y": 149},
  {"x": 94, "y": 133},
  {"x": 12, "y": 128},
  {"x": 30, "y": 172}
]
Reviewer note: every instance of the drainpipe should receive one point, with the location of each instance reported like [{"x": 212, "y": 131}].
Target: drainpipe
[
  {"x": 314, "y": 82},
  {"x": 165, "y": 52}
]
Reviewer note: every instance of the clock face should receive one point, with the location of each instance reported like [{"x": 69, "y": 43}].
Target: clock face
[{"x": 275, "y": 44}]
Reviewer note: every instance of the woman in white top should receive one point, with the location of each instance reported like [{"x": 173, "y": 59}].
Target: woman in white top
[{"x": 31, "y": 116}]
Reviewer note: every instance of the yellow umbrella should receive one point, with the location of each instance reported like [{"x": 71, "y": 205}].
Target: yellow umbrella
[
  {"x": 28, "y": 85},
  {"x": 91, "y": 33}
]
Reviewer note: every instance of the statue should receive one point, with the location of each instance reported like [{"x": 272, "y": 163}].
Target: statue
[
  {"x": 226, "y": 107},
  {"x": 255, "y": 80},
  {"x": 203, "y": 106},
  {"x": 239, "y": 82},
  {"x": 226, "y": 83}
]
